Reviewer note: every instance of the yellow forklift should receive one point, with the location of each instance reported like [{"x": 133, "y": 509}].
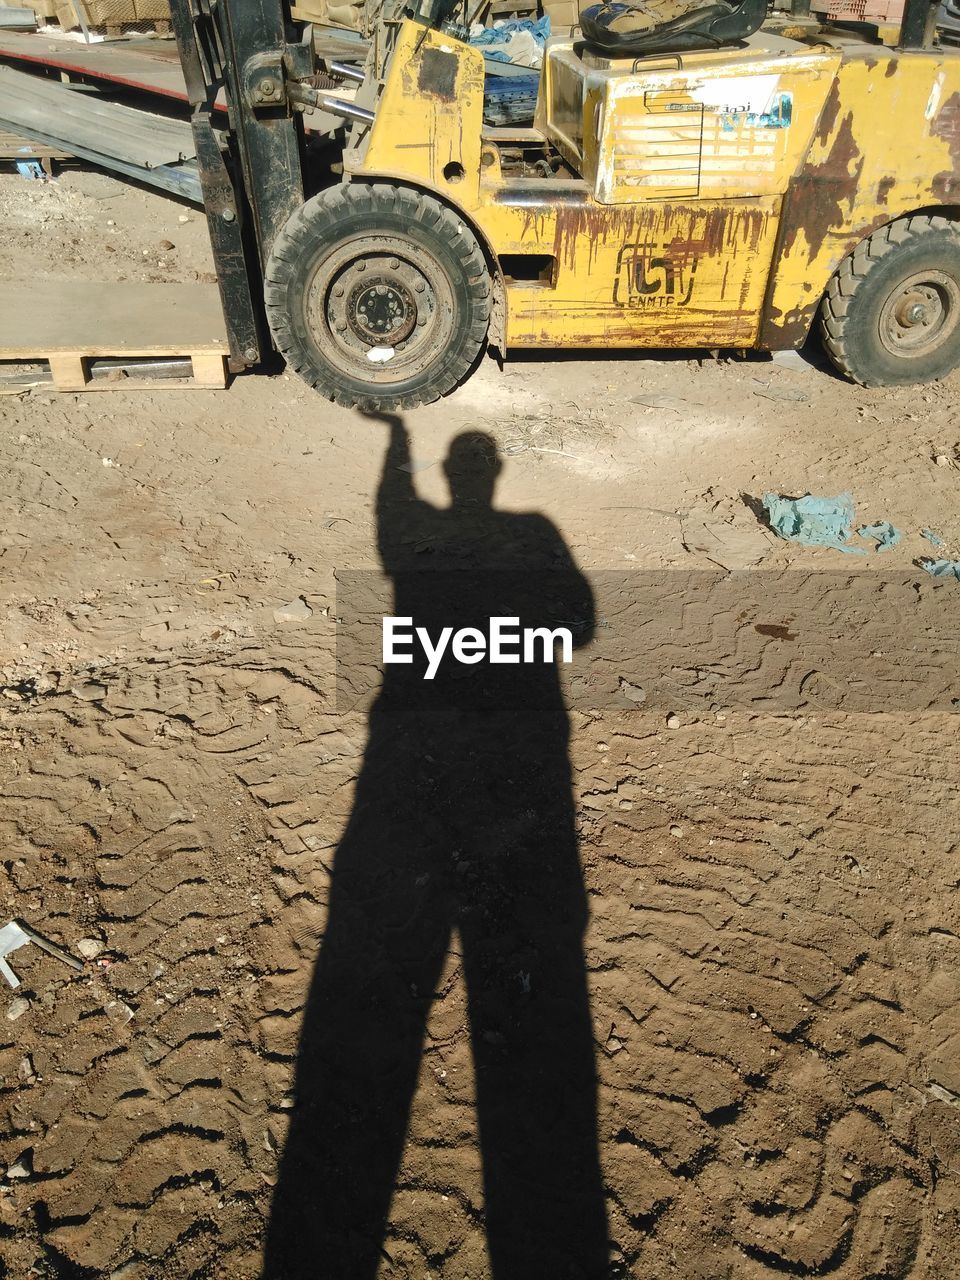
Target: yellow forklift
[{"x": 691, "y": 179}]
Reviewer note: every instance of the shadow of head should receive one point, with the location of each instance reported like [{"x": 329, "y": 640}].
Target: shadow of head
[{"x": 472, "y": 465}]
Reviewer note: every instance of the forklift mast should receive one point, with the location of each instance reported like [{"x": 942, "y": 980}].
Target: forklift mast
[{"x": 239, "y": 55}]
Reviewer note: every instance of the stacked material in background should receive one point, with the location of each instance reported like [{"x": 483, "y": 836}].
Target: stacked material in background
[{"x": 95, "y": 13}]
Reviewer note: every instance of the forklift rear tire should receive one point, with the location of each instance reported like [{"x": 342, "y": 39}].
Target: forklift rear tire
[
  {"x": 378, "y": 296},
  {"x": 891, "y": 315}
]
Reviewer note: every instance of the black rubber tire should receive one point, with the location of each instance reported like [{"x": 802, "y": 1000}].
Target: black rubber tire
[
  {"x": 852, "y": 314},
  {"x": 445, "y": 253}
]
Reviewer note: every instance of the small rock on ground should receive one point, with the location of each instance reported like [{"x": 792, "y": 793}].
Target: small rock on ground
[
  {"x": 18, "y": 1008},
  {"x": 295, "y": 611}
]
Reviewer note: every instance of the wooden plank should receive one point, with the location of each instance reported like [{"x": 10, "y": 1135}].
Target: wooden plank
[
  {"x": 145, "y": 384},
  {"x": 13, "y": 147},
  {"x": 209, "y": 371},
  {"x": 72, "y": 373},
  {"x": 41, "y": 318},
  {"x": 69, "y": 372}
]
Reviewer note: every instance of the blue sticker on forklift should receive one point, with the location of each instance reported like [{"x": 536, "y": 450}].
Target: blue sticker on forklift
[{"x": 777, "y": 116}]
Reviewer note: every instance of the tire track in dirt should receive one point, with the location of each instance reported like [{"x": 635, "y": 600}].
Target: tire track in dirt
[
  {"x": 146, "y": 1126},
  {"x": 773, "y": 991}
]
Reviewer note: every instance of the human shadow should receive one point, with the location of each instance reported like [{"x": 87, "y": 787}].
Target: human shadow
[{"x": 463, "y": 822}]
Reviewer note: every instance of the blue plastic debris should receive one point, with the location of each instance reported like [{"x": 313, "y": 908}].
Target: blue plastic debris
[
  {"x": 29, "y": 169},
  {"x": 510, "y": 95},
  {"x": 883, "y": 533},
  {"x": 942, "y": 568},
  {"x": 496, "y": 41},
  {"x": 933, "y": 538},
  {"x": 813, "y": 521}
]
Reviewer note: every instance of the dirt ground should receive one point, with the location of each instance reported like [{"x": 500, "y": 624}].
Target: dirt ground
[{"x": 772, "y": 944}]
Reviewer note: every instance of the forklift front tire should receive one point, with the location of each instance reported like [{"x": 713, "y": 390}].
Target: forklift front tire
[
  {"x": 891, "y": 315},
  {"x": 378, "y": 296}
]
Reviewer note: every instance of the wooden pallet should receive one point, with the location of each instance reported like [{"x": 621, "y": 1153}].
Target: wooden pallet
[
  {"x": 15, "y": 148},
  {"x": 65, "y": 18},
  {"x": 68, "y": 323}
]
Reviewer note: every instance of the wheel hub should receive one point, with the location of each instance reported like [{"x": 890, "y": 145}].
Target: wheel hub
[
  {"x": 915, "y": 314},
  {"x": 918, "y": 307},
  {"x": 921, "y": 314},
  {"x": 381, "y": 311},
  {"x": 381, "y": 307}
]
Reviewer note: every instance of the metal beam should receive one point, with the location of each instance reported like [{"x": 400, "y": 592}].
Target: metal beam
[{"x": 179, "y": 180}]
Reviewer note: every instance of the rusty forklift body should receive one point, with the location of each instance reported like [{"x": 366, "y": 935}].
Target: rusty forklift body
[
  {"x": 713, "y": 203},
  {"x": 713, "y": 198}
]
